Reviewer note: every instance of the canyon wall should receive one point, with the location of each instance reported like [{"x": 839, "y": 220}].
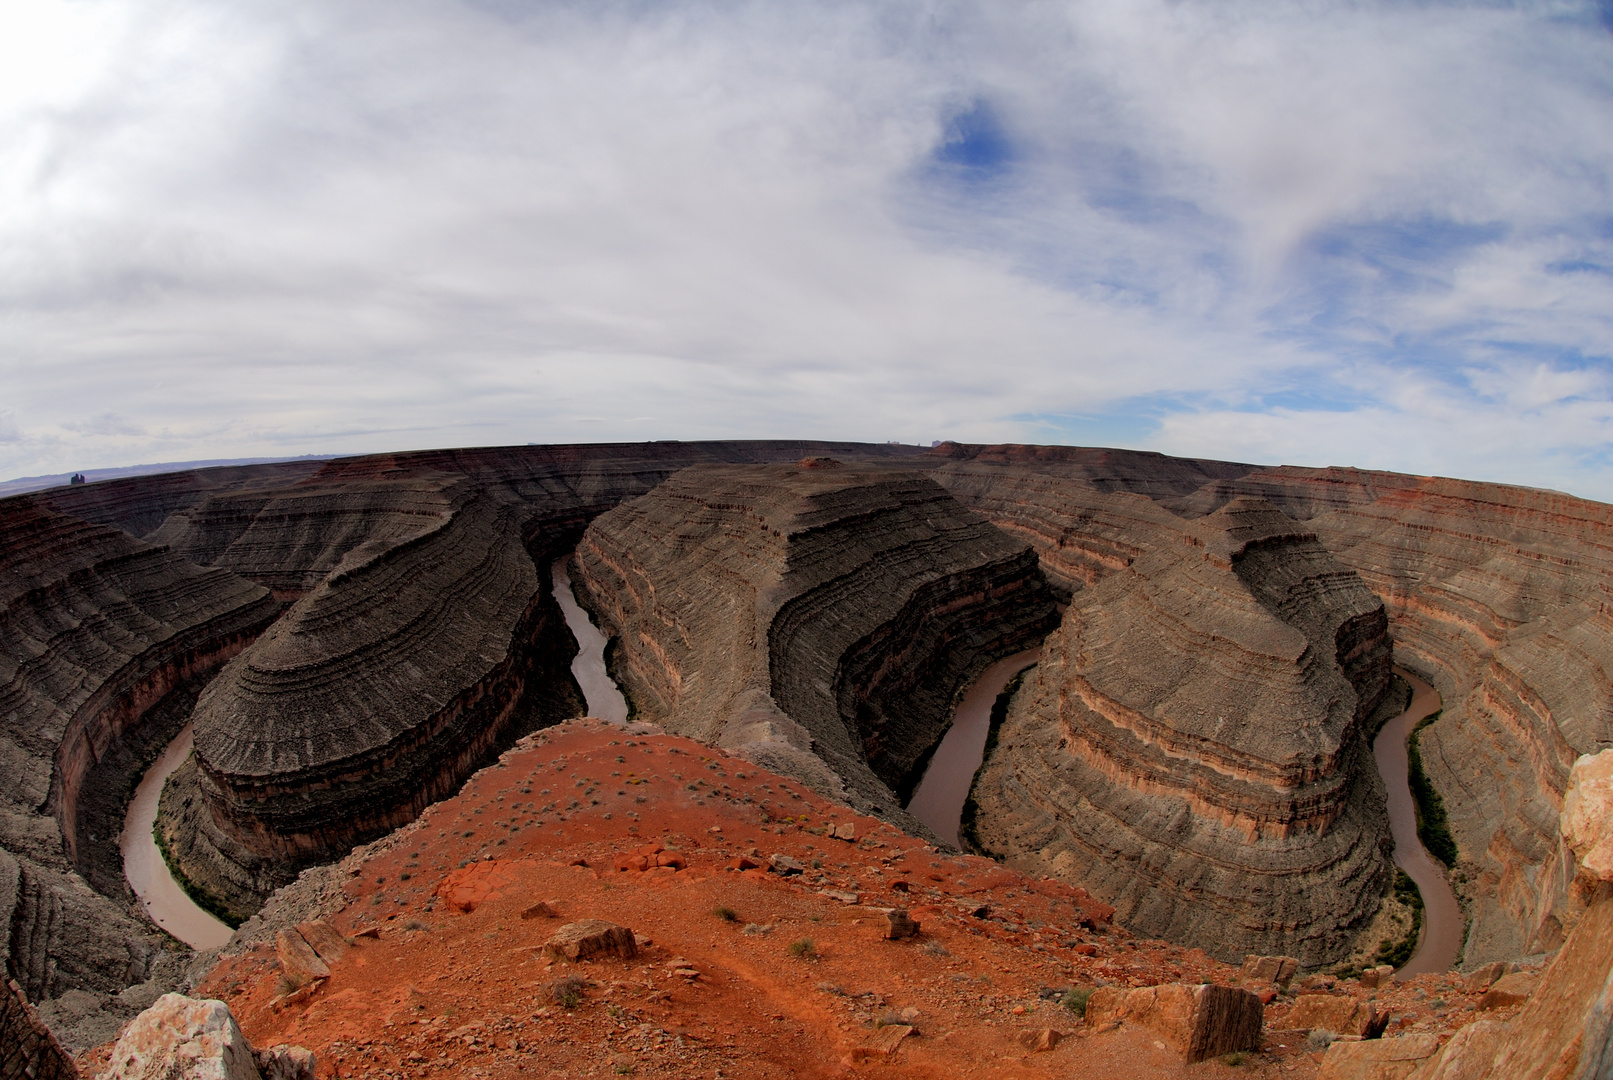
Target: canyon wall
[
  {"x": 97, "y": 632},
  {"x": 816, "y": 618},
  {"x": 1191, "y": 747},
  {"x": 1497, "y": 594}
]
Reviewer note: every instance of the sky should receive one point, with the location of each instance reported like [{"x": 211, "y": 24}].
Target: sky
[{"x": 1372, "y": 234}]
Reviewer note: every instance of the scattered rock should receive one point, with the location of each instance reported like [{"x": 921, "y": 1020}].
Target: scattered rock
[
  {"x": 589, "y": 938},
  {"x": 1336, "y": 1013},
  {"x": 783, "y": 864},
  {"x": 541, "y": 910},
  {"x": 1377, "y": 1059},
  {"x": 882, "y": 1045},
  {"x": 1197, "y": 1022},
  {"x": 182, "y": 1037},
  {"x": 1041, "y": 1040},
  {"x": 841, "y": 895},
  {"x": 299, "y": 962},
  {"x": 1278, "y": 970},
  {"x": 844, "y": 830},
  {"x": 744, "y": 862},
  {"x": 898, "y": 924}
]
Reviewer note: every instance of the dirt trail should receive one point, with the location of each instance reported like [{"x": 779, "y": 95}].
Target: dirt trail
[{"x": 1441, "y": 940}]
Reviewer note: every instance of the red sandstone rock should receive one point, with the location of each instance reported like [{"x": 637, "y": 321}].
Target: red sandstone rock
[
  {"x": 591, "y": 938},
  {"x": 1197, "y": 1022},
  {"x": 899, "y": 925},
  {"x": 1337, "y": 1013},
  {"x": 298, "y": 961},
  {"x": 1377, "y": 1059},
  {"x": 1040, "y": 1040},
  {"x": 330, "y": 945}
]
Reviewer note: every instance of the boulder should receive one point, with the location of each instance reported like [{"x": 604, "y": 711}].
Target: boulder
[
  {"x": 1040, "y": 1040},
  {"x": 1372, "y": 978},
  {"x": 1587, "y": 821},
  {"x": 591, "y": 938},
  {"x": 326, "y": 941},
  {"x": 1469, "y": 1054},
  {"x": 1197, "y": 1022},
  {"x": 1511, "y": 989},
  {"x": 541, "y": 910},
  {"x": 844, "y": 830},
  {"x": 298, "y": 960},
  {"x": 286, "y": 1063},
  {"x": 1482, "y": 979},
  {"x": 1336, "y": 1013},
  {"x": 184, "y": 1039},
  {"x": 899, "y": 925},
  {"x": 783, "y": 864},
  {"x": 1377, "y": 1059},
  {"x": 1277, "y": 970}
]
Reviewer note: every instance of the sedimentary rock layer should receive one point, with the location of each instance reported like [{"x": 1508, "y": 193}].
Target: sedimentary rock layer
[
  {"x": 375, "y": 695},
  {"x": 1191, "y": 747},
  {"x": 1498, "y": 595},
  {"x": 788, "y": 611},
  {"x": 421, "y": 641},
  {"x": 97, "y": 632}
]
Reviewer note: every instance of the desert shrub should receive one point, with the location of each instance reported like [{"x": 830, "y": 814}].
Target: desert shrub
[
  {"x": 1076, "y": 1000},
  {"x": 1319, "y": 1039},
  {"x": 805, "y": 948},
  {"x": 726, "y": 914}
]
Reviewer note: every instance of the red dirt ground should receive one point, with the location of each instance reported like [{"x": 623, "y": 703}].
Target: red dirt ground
[{"x": 445, "y": 992}]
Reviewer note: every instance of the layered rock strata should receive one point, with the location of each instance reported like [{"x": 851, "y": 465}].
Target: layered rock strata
[
  {"x": 1497, "y": 595},
  {"x": 99, "y": 632},
  {"x": 818, "y": 619},
  {"x": 1191, "y": 748},
  {"x": 375, "y": 695}
]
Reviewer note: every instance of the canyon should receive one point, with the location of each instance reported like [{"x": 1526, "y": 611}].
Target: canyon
[{"x": 351, "y": 640}]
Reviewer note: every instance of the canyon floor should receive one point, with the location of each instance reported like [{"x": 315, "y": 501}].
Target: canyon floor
[{"x": 454, "y": 981}]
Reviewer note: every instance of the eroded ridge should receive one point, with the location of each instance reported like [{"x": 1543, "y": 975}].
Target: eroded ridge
[
  {"x": 813, "y": 617},
  {"x": 376, "y": 694},
  {"x": 1191, "y": 747},
  {"x": 99, "y": 632}
]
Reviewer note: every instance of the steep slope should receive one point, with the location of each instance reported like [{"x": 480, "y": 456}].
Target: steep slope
[
  {"x": 808, "y": 610},
  {"x": 1191, "y": 747},
  {"x": 99, "y": 633}
]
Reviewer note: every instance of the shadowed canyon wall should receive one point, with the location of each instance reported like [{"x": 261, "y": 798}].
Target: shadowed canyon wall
[{"x": 816, "y": 618}]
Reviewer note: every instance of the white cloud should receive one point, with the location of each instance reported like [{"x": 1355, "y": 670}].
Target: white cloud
[{"x": 284, "y": 228}]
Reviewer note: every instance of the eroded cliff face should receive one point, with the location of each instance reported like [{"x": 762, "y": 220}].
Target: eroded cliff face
[
  {"x": 1501, "y": 597},
  {"x": 1191, "y": 747},
  {"x": 98, "y": 632},
  {"x": 1498, "y": 595},
  {"x": 375, "y": 695},
  {"x": 816, "y": 618}
]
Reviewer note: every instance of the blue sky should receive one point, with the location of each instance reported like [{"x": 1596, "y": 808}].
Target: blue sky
[{"x": 1313, "y": 233}]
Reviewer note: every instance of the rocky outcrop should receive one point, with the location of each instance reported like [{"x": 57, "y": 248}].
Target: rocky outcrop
[
  {"x": 1191, "y": 748},
  {"x": 1198, "y": 1022},
  {"x": 792, "y": 611},
  {"x": 185, "y": 1039},
  {"x": 27, "y": 1048},
  {"x": 99, "y": 632}
]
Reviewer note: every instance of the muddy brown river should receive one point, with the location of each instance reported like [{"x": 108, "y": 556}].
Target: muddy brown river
[{"x": 599, "y": 690}]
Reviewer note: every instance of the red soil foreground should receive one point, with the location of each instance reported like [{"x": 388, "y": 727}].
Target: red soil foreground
[{"x": 448, "y": 992}]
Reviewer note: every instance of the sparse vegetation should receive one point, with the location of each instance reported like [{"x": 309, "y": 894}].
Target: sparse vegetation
[
  {"x": 1076, "y": 1000},
  {"x": 1396, "y": 953},
  {"x": 567, "y": 992},
  {"x": 1237, "y": 1057},
  {"x": 1433, "y": 827},
  {"x": 726, "y": 914},
  {"x": 971, "y": 809},
  {"x": 804, "y": 948},
  {"x": 1319, "y": 1039}
]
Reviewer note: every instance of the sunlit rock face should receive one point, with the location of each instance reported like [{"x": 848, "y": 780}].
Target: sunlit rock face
[
  {"x": 817, "y": 617},
  {"x": 1192, "y": 748}
]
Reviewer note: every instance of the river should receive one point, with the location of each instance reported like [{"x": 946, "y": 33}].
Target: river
[
  {"x": 939, "y": 798},
  {"x": 599, "y": 690},
  {"x": 143, "y": 863},
  {"x": 1441, "y": 939}
]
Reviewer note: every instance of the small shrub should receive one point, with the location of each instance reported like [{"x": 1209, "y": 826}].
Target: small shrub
[
  {"x": 1076, "y": 1000},
  {"x": 805, "y": 948},
  {"x": 1237, "y": 1057},
  {"x": 890, "y": 1019},
  {"x": 567, "y": 992},
  {"x": 1319, "y": 1039},
  {"x": 935, "y": 948},
  {"x": 415, "y": 924},
  {"x": 726, "y": 914}
]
